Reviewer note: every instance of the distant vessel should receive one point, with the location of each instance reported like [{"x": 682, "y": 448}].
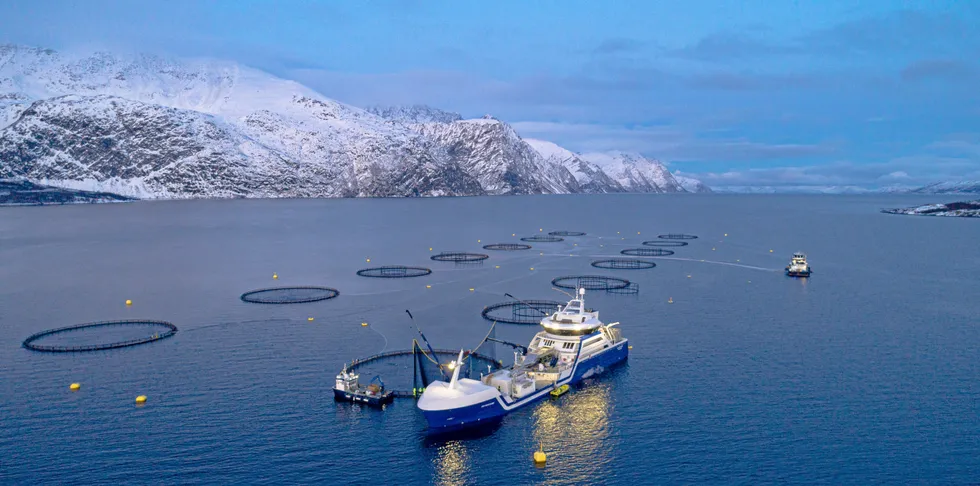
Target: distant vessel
[
  {"x": 348, "y": 389},
  {"x": 798, "y": 267},
  {"x": 574, "y": 345}
]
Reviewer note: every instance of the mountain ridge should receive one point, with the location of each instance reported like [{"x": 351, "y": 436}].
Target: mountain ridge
[{"x": 151, "y": 127}]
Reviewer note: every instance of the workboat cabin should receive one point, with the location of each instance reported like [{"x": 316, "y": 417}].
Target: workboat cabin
[
  {"x": 572, "y": 345},
  {"x": 798, "y": 267}
]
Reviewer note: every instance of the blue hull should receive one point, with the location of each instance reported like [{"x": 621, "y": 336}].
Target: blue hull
[{"x": 493, "y": 410}]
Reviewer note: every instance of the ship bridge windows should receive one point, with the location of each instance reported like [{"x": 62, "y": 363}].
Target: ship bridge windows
[
  {"x": 568, "y": 346},
  {"x": 548, "y": 343}
]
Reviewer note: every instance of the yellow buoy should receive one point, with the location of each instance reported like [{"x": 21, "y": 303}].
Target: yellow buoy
[
  {"x": 630, "y": 347},
  {"x": 428, "y": 286},
  {"x": 513, "y": 234},
  {"x": 309, "y": 318},
  {"x": 637, "y": 232},
  {"x": 141, "y": 399},
  {"x": 539, "y": 455},
  {"x": 496, "y": 266},
  {"x": 540, "y": 229},
  {"x": 129, "y": 302},
  {"x": 477, "y": 241},
  {"x": 471, "y": 290},
  {"x": 369, "y": 260},
  {"x": 74, "y": 386},
  {"x": 770, "y": 251},
  {"x": 726, "y": 234},
  {"x": 363, "y": 324},
  {"x": 532, "y": 268},
  {"x": 430, "y": 248}
]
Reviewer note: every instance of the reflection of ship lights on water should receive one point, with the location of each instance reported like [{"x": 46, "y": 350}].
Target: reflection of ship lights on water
[
  {"x": 452, "y": 463},
  {"x": 575, "y": 426}
]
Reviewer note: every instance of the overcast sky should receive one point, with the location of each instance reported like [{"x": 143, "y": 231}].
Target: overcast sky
[{"x": 736, "y": 92}]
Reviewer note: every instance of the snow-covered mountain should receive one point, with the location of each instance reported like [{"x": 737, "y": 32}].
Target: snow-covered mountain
[
  {"x": 950, "y": 187},
  {"x": 151, "y": 127},
  {"x": 590, "y": 177},
  {"x": 691, "y": 184},
  {"x": 635, "y": 172}
]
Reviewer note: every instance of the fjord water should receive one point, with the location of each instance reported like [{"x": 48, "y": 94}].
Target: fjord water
[{"x": 866, "y": 372}]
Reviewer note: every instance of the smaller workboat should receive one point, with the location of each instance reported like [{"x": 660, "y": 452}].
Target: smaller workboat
[
  {"x": 798, "y": 267},
  {"x": 557, "y": 392},
  {"x": 348, "y": 389}
]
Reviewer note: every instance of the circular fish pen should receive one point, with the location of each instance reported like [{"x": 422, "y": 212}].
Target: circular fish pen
[
  {"x": 164, "y": 330},
  {"x": 647, "y": 252},
  {"x": 543, "y": 239},
  {"x": 528, "y": 312},
  {"x": 394, "y": 271},
  {"x": 677, "y": 236},
  {"x": 624, "y": 264},
  {"x": 401, "y": 370},
  {"x": 459, "y": 257},
  {"x": 590, "y": 282},
  {"x": 507, "y": 247},
  {"x": 665, "y": 243},
  {"x": 566, "y": 233},
  {"x": 289, "y": 295}
]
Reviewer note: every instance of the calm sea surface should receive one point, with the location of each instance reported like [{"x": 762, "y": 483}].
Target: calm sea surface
[{"x": 867, "y": 372}]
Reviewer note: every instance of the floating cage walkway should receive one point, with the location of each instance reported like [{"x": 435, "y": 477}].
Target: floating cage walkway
[
  {"x": 592, "y": 282},
  {"x": 528, "y": 312},
  {"x": 507, "y": 246},
  {"x": 289, "y": 295},
  {"x": 543, "y": 239},
  {"x": 459, "y": 257},
  {"x": 677, "y": 236},
  {"x": 394, "y": 271},
  {"x": 168, "y": 331},
  {"x": 647, "y": 252},
  {"x": 665, "y": 243},
  {"x": 566, "y": 233},
  {"x": 624, "y": 264}
]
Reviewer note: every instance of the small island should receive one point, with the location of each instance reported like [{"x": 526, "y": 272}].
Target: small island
[
  {"x": 964, "y": 209},
  {"x": 24, "y": 193}
]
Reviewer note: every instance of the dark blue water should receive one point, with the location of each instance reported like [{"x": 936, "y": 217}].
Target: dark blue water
[{"x": 866, "y": 372}]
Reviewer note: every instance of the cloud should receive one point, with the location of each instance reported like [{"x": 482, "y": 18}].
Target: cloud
[
  {"x": 617, "y": 45},
  {"x": 666, "y": 142},
  {"x": 915, "y": 170},
  {"x": 944, "y": 69},
  {"x": 905, "y": 32}
]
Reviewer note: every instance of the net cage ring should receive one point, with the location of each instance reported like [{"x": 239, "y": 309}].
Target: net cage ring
[
  {"x": 677, "y": 236},
  {"x": 567, "y": 233},
  {"x": 289, "y": 295},
  {"x": 632, "y": 288},
  {"x": 543, "y": 239},
  {"x": 359, "y": 363},
  {"x": 590, "y": 282},
  {"x": 648, "y": 252},
  {"x": 624, "y": 264},
  {"x": 394, "y": 271},
  {"x": 168, "y": 331},
  {"x": 524, "y": 312},
  {"x": 665, "y": 243},
  {"x": 459, "y": 257},
  {"x": 506, "y": 246}
]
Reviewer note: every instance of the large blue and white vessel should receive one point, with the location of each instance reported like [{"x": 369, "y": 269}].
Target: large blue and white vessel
[{"x": 574, "y": 345}]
